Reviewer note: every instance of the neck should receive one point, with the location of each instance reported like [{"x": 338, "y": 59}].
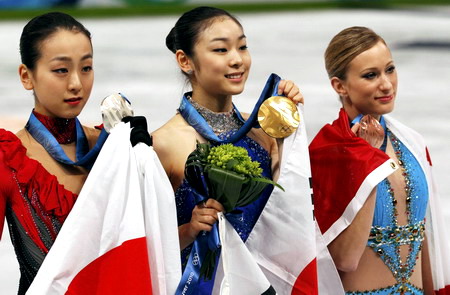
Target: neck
[
  {"x": 353, "y": 113},
  {"x": 218, "y": 104},
  {"x": 64, "y": 130}
]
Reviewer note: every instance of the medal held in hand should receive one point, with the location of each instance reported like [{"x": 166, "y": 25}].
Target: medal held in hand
[
  {"x": 371, "y": 130},
  {"x": 278, "y": 117}
]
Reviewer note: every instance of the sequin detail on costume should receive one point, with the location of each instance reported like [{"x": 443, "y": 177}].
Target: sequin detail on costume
[
  {"x": 402, "y": 235},
  {"x": 223, "y": 122},
  {"x": 62, "y": 129},
  {"x": 386, "y": 236},
  {"x": 29, "y": 255},
  {"x": 413, "y": 290}
]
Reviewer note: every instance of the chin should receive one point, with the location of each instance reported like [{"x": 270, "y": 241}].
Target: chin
[
  {"x": 382, "y": 113},
  {"x": 237, "y": 90},
  {"x": 389, "y": 109},
  {"x": 70, "y": 115}
]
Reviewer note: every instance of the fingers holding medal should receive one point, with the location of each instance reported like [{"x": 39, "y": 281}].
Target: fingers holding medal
[{"x": 290, "y": 90}]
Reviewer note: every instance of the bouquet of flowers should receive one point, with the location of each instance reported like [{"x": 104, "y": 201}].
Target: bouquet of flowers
[{"x": 227, "y": 174}]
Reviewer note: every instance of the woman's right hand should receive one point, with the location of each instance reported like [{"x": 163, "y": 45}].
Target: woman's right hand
[
  {"x": 370, "y": 130},
  {"x": 204, "y": 215},
  {"x": 291, "y": 91}
]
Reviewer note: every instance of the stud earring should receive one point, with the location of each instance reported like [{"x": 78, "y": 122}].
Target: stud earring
[{"x": 189, "y": 72}]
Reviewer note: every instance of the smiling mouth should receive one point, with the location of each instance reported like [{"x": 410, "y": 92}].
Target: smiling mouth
[{"x": 234, "y": 76}]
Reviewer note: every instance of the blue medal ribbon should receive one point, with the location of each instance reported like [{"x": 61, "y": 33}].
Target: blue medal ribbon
[
  {"x": 84, "y": 157},
  {"x": 205, "y": 241},
  {"x": 194, "y": 119},
  {"x": 211, "y": 240}
]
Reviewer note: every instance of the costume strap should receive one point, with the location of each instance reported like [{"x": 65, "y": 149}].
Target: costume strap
[
  {"x": 194, "y": 119},
  {"x": 84, "y": 157}
]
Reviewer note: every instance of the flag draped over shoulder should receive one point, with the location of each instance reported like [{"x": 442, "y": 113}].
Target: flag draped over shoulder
[
  {"x": 347, "y": 168},
  {"x": 121, "y": 236}
]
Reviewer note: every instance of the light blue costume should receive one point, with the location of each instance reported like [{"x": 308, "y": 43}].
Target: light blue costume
[{"x": 387, "y": 235}]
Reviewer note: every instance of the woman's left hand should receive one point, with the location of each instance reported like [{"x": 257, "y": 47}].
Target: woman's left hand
[{"x": 291, "y": 91}]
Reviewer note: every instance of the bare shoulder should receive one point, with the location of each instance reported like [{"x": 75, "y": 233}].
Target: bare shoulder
[
  {"x": 27, "y": 140},
  {"x": 173, "y": 143},
  {"x": 22, "y": 134},
  {"x": 92, "y": 135},
  {"x": 172, "y": 134}
]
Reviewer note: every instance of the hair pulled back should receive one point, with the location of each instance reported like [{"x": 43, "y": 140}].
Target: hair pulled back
[
  {"x": 345, "y": 46},
  {"x": 187, "y": 29},
  {"x": 42, "y": 27}
]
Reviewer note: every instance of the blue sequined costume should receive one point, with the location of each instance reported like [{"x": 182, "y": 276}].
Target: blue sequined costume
[
  {"x": 244, "y": 222},
  {"x": 387, "y": 236}
]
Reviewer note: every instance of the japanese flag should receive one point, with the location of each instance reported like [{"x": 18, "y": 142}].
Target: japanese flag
[{"x": 121, "y": 236}]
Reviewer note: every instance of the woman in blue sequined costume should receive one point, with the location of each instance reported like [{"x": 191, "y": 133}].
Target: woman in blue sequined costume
[
  {"x": 211, "y": 50},
  {"x": 378, "y": 240}
]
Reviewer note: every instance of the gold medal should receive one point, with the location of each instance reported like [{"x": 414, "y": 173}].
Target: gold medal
[{"x": 278, "y": 116}]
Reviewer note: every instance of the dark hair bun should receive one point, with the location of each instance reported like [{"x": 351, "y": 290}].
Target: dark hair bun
[
  {"x": 188, "y": 27},
  {"x": 170, "y": 40}
]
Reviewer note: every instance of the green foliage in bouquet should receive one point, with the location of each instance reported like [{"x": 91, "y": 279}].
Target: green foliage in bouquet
[
  {"x": 233, "y": 158},
  {"x": 231, "y": 176}
]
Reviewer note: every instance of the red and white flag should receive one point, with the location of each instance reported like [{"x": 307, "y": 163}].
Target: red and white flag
[
  {"x": 285, "y": 244},
  {"x": 121, "y": 236},
  {"x": 283, "y": 240},
  {"x": 346, "y": 167}
]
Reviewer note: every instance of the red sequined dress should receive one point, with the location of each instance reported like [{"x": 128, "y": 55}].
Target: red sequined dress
[{"x": 34, "y": 203}]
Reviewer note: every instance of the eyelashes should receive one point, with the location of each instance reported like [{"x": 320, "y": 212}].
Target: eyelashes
[
  {"x": 374, "y": 74},
  {"x": 370, "y": 75},
  {"x": 60, "y": 71},
  {"x": 223, "y": 50},
  {"x": 85, "y": 69},
  {"x": 390, "y": 69}
]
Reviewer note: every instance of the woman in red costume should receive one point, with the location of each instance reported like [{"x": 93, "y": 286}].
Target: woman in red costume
[{"x": 43, "y": 166}]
